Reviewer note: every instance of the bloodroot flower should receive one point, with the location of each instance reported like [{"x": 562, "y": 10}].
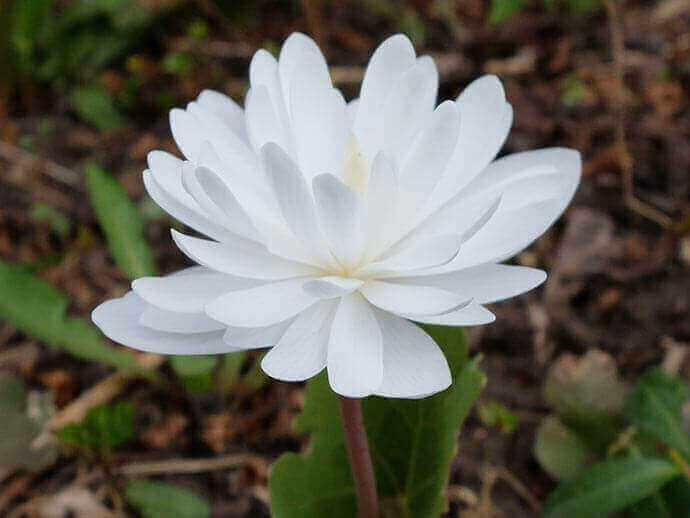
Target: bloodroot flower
[{"x": 332, "y": 225}]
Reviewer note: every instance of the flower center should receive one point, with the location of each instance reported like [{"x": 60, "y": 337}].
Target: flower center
[{"x": 355, "y": 172}]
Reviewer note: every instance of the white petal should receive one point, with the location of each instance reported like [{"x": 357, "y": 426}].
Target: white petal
[
  {"x": 263, "y": 72},
  {"x": 530, "y": 176},
  {"x": 331, "y": 287},
  {"x": 294, "y": 198},
  {"x": 171, "y": 322},
  {"x": 171, "y": 196},
  {"x": 263, "y": 123},
  {"x": 471, "y": 315},
  {"x": 299, "y": 49},
  {"x": 388, "y": 63},
  {"x": 485, "y": 283},
  {"x": 261, "y": 306},
  {"x": 241, "y": 258},
  {"x": 413, "y": 365},
  {"x": 411, "y": 300},
  {"x": 319, "y": 126},
  {"x": 119, "y": 321},
  {"x": 216, "y": 190},
  {"x": 256, "y": 337},
  {"x": 227, "y": 110},
  {"x": 424, "y": 253},
  {"x": 382, "y": 197},
  {"x": 187, "y": 132},
  {"x": 187, "y": 293},
  {"x": 355, "y": 350},
  {"x": 340, "y": 211},
  {"x": 485, "y": 120},
  {"x": 409, "y": 107},
  {"x": 427, "y": 159},
  {"x": 302, "y": 351}
]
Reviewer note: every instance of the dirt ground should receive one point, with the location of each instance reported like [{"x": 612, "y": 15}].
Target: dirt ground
[{"x": 613, "y": 84}]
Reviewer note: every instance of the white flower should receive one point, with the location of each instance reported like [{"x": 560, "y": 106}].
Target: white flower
[{"x": 334, "y": 224}]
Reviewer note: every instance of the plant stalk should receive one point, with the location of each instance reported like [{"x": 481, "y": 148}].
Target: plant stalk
[{"x": 360, "y": 459}]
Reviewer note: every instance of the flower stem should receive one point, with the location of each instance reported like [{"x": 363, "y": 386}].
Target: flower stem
[{"x": 360, "y": 458}]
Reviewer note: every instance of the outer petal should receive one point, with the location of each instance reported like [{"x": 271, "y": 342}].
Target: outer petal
[
  {"x": 299, "y": 50},
  {"x": 424, "y": 253},
  {"x": 241, "y": 258},
  {"x": 409, "y": 107},
  {"x": 228, "y": 111},
  {"x": 189, "y": 292},
  {"x": 331, "y": 287},
  {"x": 294, "y": 199},
  {"x": 171, "y": 322},
  {"x": 319, "y": 126},
  {"x": 261, "y": 306},
  {"x": 355, "y": 349},
  {"x": 302, "y": 351},
  {"x": 263, "y": 123},
  {"x": 382, "y": 204},
  {"x": 471, "y": 315},
  {"x": 427, "y": 159},
  {"x": 164, "y": 184},
  {"x": 388, "y": 63},
  {"x": 517, "y": 223},
  {"x": 411, "y": 300},
  {"x": 119, "y": 321},
  {"x": 485, "y": 120},
  {"x": 413, "y": 365},
  {"x": 340, "y": 215},
  {"x": 256, "y": 337},
  {"x": 485, "y": 283}
]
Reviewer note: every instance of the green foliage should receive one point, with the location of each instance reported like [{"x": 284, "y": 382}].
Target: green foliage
[
  {"x": 104, "y": 427},
  {"x": 497, "y": 414},
  {"x": 177, "y": 63},
  {"x": 36, "y": 308},
  {"x": 654, "y": 406},
  {"x": 501, "y": 10},
  {"x": 23, "y": 419},
  {"x": 121, "y": 222},
  {"x": 72, "y": 43},
  {"x": 645, "y": 481},
  {"x": 574, "y": 91},
  {"x": 196, "y": 372},
  {"x": 160, "y": 500},
  {"x": 559, "y": 450},
  {"x": 610, "y": 486},
  {"x": 95, "y": 106},
  {"x": 412, "y": 441},
  {"x": 60, "y": 223}
]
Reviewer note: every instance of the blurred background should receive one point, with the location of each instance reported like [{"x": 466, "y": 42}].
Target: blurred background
[{"x": 85, "y": 88}]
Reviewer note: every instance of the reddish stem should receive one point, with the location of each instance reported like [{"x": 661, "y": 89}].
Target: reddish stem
[{"x": 360, "y": 458}]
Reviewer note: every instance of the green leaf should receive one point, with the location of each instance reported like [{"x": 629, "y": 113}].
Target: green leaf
[
  {"x": 559, "y": 450},
  {"x": 494, "y": 413},
  {"x": 94, "y": 105},
  {"x": 104, "y": 426},
  {"x": 196, "y": 372},
  {"x": 36, "y": 308},
  {"x": 609, "y": 486},
  {"x": 60, "y": 223},
  {"x": 23, "y": 419},
  {"x": 412, "y": 441},
  {"x": 160, "y": 500},
  {"x": 28, "y": 21},
  {"x": 501, "y": 10},
  {"x": 121, "y": 222},
  {"x": 654, "y": 406},
  {"x": 587, "y": 395}
]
